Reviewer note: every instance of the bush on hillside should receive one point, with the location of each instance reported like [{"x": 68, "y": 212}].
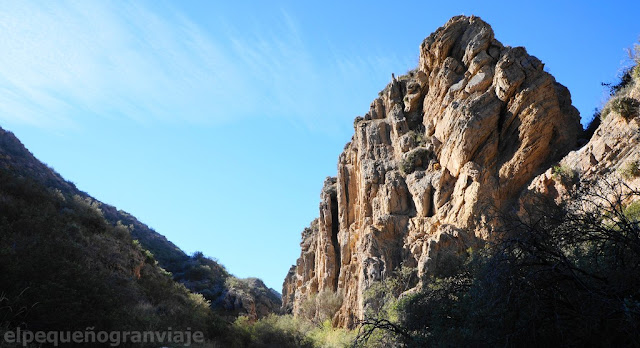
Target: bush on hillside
[
  {"x": 288, "y": 331},
  {"x": 415, "y": 159},
  {"x": 565, "y": 174},
  {"x": 627, "y": 107},
  {"x": 630, "y": 169},
  {"x": 321, "y": 307}
]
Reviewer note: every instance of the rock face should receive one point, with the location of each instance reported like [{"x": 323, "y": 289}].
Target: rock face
[
  {"x": 611, "y": 155},
  {"x": 472, "y": 125}
]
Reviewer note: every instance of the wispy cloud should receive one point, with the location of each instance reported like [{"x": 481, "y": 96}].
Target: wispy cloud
[{"x": 62, "y": 61}]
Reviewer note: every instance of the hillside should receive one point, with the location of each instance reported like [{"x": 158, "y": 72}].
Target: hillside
[{"x": 70, "y": 261}]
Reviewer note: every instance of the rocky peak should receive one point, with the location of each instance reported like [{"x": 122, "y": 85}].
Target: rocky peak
[{"x": 474, "y": 123}]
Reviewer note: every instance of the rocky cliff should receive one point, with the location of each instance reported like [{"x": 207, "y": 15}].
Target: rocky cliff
[
  {"x": 472, "y": 125},
  {"x": 612, "y": 154}
]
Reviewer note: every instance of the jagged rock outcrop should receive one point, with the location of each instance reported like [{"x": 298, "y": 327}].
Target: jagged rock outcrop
[
  {"x": 472, "y": 125},
  {"x": 611, "y": 155}
]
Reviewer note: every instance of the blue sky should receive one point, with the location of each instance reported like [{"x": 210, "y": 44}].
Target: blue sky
[{"x": 216, "y": 122}]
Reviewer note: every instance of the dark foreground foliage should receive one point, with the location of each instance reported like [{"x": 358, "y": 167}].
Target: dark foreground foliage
[
  {"x": 556, "y": 276},
  {"x": 64, "y": 267}
]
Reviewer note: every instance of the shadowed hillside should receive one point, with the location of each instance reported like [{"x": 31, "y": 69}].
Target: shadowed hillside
[{"x": 69, "y": 261}]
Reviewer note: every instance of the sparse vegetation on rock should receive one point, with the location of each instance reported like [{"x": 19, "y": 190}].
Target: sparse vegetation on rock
[
  {"x": 625, "y": 106},
  {"x": 415, "y": 159},
  {"x": 630, "y": 169},
  {"x": 565, "y": 174}
]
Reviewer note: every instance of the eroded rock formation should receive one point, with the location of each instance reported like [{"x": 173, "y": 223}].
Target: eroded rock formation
[
  {"x": 611, "y": 155},
  {"x": 472, "y": 125}
]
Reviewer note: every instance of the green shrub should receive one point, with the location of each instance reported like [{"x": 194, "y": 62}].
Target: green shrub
[
  {"x": 327, "y": 305},
  {"x": 632, "y": 211},
  {"x": 415, "y": 159},
  {"x": 382, "y": 307},
  {"x": 273, "y": 331},
  {"x": 622, "y": 87},
  {"x": 236, "y": 283},
  {"x": 627, "y": 107},
  {"x": 605, "y": 112},
  {"x": 326, "y": 336},
  {"x": 148, "y": 258},
  {"x": 321, "y": 307},
  {"x": 418, "y": 137},
  {"x": 564, "y": 174},
  {"x": 630, "y": 170},
  {"x": 288, "y": 331}
]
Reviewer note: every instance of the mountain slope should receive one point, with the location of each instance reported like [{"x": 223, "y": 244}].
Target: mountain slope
[
  {"x": 15, "y": 158},
  {"x": 74, "y": 262},
  {"x": 65, "y": 267}
]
